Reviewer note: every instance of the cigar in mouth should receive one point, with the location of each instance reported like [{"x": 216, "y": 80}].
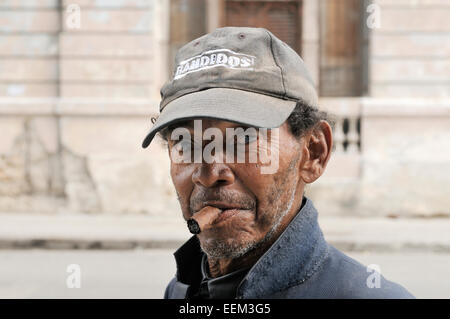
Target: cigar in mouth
[{"x": 203, "y": 219}]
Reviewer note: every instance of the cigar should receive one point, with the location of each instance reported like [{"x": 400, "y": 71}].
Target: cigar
[{"x": 203, "y": 219}]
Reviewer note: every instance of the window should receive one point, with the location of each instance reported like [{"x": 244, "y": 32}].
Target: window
[
  {"x": 343, "y": 48},
  {"x": 187, "y": 22}
]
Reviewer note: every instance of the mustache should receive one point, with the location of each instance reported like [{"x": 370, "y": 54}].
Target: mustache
[{"x": 197, "y": 201}]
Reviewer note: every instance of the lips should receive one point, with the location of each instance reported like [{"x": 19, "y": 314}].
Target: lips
[
  {"x": 228, "y": 210},
  {"x": 221, "y": 205},
  {"x": 226, "y": 214}
]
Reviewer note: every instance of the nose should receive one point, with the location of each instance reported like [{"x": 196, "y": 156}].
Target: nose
[{"x": 212, "y": 175}]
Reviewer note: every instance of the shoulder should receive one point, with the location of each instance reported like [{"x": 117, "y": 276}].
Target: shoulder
[
  {"x": 169, "y": 289},
  {"x": 359, "y": 281},
  {"x": 342, "y": 277},
  {"x": 176, "y": 290}
]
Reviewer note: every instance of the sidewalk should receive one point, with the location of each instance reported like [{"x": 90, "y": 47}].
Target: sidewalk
[{"x": 129, "y": 232}]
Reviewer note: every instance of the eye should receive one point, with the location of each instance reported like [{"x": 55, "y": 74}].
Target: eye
[
  {"x": 183, "y": 148},
  {"x": 183, "y": 145},
  {"x": 246, "y": 138}
]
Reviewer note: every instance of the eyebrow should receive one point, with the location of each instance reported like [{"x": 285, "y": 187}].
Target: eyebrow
[{"x": 187, "y": 123}]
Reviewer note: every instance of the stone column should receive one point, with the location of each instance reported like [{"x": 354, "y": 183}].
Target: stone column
[
  {"x": 310, "y": 37},
  {"x": 215, "y": 14}
]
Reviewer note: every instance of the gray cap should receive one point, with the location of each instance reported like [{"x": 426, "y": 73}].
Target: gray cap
[{"x": 241, "y": 75}]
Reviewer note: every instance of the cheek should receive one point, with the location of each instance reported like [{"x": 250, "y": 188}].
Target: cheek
[
  {"x": 262, "y": 188},
  {"x": 182, "y": 180},
  {"x": 263, "y": 185},
  {"x": 271, "y": 190}
]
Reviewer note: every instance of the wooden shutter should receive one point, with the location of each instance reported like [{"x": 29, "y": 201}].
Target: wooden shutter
[
  {"x": 282, "y": 18},
  {"x": 187, "y": 22},
  {"x": 342, "y": 47}
]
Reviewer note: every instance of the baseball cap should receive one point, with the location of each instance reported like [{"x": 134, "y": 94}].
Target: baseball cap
[{"x": 242, "y": 75}]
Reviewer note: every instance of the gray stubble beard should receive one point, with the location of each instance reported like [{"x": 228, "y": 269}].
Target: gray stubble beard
[{"x": 218, "y": 249}]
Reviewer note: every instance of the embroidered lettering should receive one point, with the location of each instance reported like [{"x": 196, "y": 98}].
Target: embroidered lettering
[{"x": 215, "y": 58}]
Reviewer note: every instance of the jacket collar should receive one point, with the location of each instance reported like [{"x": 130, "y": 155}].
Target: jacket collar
[
  {"x": 297, "y": 253},
  {"x": 292, "y": 259}
]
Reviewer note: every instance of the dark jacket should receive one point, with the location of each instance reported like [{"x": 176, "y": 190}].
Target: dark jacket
[{"x": 300, "y": 264}]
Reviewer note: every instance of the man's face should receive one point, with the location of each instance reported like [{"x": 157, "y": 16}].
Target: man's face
[{"x": 257, "y": 203}]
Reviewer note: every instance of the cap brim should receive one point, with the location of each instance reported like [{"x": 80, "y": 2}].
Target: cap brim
[{"x": 233, "y": 105}]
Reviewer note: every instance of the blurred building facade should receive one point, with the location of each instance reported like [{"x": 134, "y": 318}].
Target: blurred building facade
[{"x": 80, "y": 82}]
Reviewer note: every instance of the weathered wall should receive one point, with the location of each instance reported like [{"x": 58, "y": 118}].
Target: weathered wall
[
  {"x": 402, "y": 168},
  {"x": 410, "y": 52},
  {"x": 75, "y": 105}
]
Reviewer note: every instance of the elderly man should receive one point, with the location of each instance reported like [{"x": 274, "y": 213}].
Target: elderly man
[{"x": 245, "y": 135}]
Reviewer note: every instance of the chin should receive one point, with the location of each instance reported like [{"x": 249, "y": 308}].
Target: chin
[{"x": 227, "y": 247}]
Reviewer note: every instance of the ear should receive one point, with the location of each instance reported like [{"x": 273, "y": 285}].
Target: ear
[{"x": 317, "y": 147}]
